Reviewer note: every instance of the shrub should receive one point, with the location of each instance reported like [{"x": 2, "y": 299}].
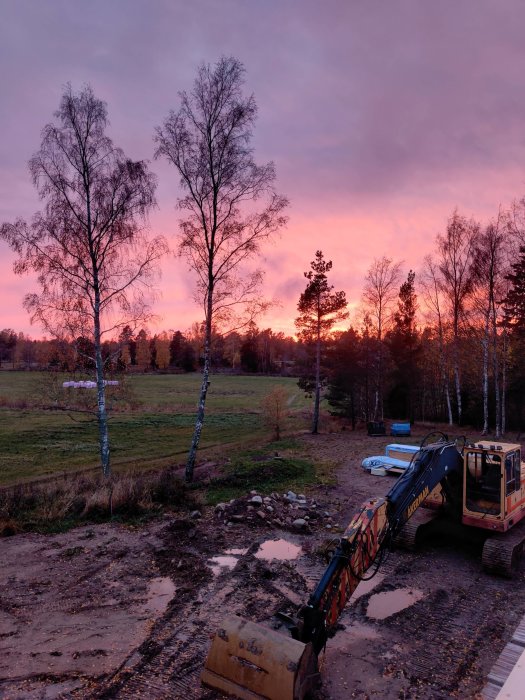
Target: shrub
[{"x": 275, "y": 411}]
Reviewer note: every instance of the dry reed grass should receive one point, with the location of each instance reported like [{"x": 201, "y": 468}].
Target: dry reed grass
[{"x": 70, "y": 500}]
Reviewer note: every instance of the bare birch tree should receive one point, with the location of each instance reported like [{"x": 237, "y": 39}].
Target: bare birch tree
[
  {"x": 88, "y": 246},
  {"x": 379, "y": 296},
  {"x": 455, "y": 262},
  {"x": 209, "y": 142},
  {"x": 430, "y": 283},
  {"x": 490, "y": 268}
]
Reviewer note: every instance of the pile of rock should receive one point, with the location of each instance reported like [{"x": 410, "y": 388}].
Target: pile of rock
[{"x": 289, "y": 511}]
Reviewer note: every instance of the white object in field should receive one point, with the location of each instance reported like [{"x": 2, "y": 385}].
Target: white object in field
[
  {"x": 86, "y": 384},
  {"x": 385, "y": 462},
  {"x": 378, "y": 471}
]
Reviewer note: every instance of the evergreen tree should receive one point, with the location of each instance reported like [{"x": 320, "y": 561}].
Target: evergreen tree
[
  {"x": 249, "y": 354},
  {"x": 320, "y": 309},
  {"x": 514, "y": 302},
  {"x": 345, "y": 376},
  {"x": 405, "y": 350}
]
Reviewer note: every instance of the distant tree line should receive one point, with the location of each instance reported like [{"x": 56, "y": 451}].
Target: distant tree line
[
  {"x": 445, "y": 344},
  {"x": 254, "y": 351}
]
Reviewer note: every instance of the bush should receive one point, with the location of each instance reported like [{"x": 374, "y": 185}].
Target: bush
[{"x": 275, "y": 411}]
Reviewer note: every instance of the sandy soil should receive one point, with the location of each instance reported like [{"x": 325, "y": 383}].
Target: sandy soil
[{"x": 114, "y": 612}]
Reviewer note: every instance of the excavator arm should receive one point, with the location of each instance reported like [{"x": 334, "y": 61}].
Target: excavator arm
[
  {"x": 370, "y": 531},
  {"x": 357, "y": 551},
  {"x": 254, "y": 662}
]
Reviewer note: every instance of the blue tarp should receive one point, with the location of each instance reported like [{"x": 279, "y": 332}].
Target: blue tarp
[
  {"x": 391, "y": 463},
  {"x": 400, "y": 429}
]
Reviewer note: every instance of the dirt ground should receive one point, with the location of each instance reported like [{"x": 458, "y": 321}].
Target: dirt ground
[{"x": 110, "y": 611}]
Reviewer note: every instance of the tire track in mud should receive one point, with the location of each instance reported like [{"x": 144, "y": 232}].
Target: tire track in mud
[
  {"x": 447, "y": 663},
  {"x": 170, "y": 662},
  {"x": 452, "y": 650},
  {"x": 174, "y": 655}
]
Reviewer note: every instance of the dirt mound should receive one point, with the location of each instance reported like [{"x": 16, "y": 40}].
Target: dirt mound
[{"x": 290, "y": 511}]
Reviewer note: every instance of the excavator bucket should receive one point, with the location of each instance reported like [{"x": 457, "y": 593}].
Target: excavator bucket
[{"x": 252, "y": 662}]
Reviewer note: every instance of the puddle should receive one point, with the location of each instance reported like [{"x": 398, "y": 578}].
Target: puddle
[
  {"x": 222, "y": 561},
  {"x": 160, "y": 592},
  {"x": 278, "y": 549},
  {"x": 353, "y": 633},
  {"x": 366, "y": 586},
  {"x": 382, "y": 605},
  {"x": 228, "y": 560}
]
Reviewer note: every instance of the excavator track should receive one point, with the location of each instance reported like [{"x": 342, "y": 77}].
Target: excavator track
[
  {"x": 502, "y": 552},
  {"x": 412, "y": 531}
]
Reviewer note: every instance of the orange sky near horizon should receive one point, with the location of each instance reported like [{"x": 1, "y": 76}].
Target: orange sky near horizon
[{"x": 380, "y": 121}]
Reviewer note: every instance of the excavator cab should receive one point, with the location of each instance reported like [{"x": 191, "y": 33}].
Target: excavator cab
[{"x": 494, "y": 492}]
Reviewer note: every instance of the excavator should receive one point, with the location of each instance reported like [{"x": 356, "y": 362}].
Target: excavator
[{"x": 480, "y": 485}]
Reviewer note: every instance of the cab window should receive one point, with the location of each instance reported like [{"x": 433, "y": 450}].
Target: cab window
[{"x": 512, "y": 472}]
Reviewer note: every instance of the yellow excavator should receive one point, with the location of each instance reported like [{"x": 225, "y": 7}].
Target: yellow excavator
[{"x": 479, "y": 485}]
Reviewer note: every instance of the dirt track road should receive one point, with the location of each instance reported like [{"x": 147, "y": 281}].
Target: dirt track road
[{"x": 108, "y": 611}]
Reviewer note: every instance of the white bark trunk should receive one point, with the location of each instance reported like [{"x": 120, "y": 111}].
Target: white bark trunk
[
  {"x": 485, "y": 378},
  {"x": 190, "y": 464},
  {"x": 102, "y": 418},
  {"x": 495, "y": 361},
  {"x": 444, "y": 372},
  {"x": 504, "y": 385},
  {"x": 457, "y": 383}
]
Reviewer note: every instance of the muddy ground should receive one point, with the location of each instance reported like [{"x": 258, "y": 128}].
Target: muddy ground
[{"x": 109, "y": 611}]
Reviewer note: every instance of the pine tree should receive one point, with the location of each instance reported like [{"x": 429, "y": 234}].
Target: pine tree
[
  {"x": 346, "y": 376},
  {"x": 320, "y": 309},
  {"x": 405, "y": 349},
  {"x": 514, "y": 302}
]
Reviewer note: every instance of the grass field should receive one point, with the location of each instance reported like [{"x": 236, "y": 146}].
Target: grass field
[{"x": 155, "y": 433}]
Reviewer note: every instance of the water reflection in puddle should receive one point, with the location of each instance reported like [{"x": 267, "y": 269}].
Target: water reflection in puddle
[
  {"x": 366, "y": 586},
  {"x": 278, "y": 549},
  {"x": 354, "y": 633},
  {"x": 228, "y": 560},
  {"x": 160, "y": 591},
  {"x": 222, "y": 561},
  {"x": 382, "y": 605}
]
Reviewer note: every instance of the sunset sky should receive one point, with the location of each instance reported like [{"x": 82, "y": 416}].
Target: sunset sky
[{"x": 381, "y": 118}]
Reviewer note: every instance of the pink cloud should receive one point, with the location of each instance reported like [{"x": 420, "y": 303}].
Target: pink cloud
[{"x": 380, "y": 122}]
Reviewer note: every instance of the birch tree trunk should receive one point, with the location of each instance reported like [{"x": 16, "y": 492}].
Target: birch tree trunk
[
  {"x": 444, "y": 373},
  {"x": 102, "y": 418},
  {"x": 457, "y": 380},
  {"x": 485, "y": 379},
  {"x": 504, "y": 384},
  {"x": 190, "y": 464},
  {"x": 495, "y": 361}
]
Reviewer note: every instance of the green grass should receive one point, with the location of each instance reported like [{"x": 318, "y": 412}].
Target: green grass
[
  {"x": 275, "y": 466},
  {"x": 264, "y": 473},
  {"x": 154, "y": 434}
]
